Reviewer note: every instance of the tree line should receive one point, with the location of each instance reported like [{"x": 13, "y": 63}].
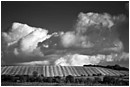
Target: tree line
[{"x": 114, "y": 67}]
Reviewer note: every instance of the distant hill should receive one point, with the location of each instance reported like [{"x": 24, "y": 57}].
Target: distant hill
[{"x": 115, "y": 67}]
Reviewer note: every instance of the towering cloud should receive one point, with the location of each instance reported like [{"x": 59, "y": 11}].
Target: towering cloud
[
  {"x": 26, "y": 38},
  {"x": 94, "y": 40},
  {"x": 98, "y": 32},
  {"x": 93, "y": 19},
  {"x": 94, "y": 30},
  {"x": 16, "y": 32}
]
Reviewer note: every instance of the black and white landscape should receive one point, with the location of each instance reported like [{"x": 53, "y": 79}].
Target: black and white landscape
[{"x": 65, "y": 43}]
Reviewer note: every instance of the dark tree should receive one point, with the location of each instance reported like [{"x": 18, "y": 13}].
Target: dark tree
[
  {"x": 70, "y": 79},
  {"x": 35, "y": 73}
]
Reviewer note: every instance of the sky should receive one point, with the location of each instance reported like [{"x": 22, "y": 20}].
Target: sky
[{"x": 57, "y": 33}]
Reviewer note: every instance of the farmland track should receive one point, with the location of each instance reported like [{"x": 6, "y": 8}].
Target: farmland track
[{"x": 51, "y": 71}]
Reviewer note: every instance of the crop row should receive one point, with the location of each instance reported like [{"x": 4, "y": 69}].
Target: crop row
[{"x": 50, "y": 71}]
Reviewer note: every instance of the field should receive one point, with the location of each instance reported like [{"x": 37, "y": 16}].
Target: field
[
  {"x": 51, "y": 71},
  {"x": 62, "y": 76}
]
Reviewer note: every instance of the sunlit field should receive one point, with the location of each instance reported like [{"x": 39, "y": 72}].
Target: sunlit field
[{"x": 63, "y": 75}]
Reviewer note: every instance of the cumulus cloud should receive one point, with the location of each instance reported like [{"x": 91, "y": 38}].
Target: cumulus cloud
[
  {"x": 35, "y": 63},
  {"x": 98, "y": 21},
  {"x": 80, "y": 60},
  {"x": 17, "y": 31},
  {"x": 123, "y": 56},
  {"x": 94, "y": 19},
  {"x": 70, "y": 39},
  {"x": 93, "y": 30},
  {"x": 94, "y": 34},
  {"x": 118, "y": 46},
  {"x": 26, "y": 37}
]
